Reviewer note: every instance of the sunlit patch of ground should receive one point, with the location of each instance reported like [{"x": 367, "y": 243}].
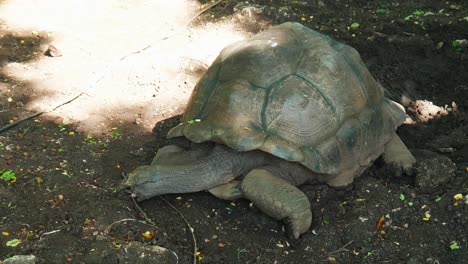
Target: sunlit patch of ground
[{"x": 97, "y": 40}]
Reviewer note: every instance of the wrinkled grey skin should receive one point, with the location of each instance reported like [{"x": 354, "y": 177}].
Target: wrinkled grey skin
[
  {"x": 215, "y": 168},
  {"x": 203, "y": 167},
  {"x": 176, "y": 170}
]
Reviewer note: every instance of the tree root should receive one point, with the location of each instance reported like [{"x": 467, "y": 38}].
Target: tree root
[
  {"x": 342, "y": 249},
  {"x": 37, "y": 114},
  {"x": 192, "y": 231}
]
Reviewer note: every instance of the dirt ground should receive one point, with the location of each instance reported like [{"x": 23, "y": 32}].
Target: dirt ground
[{"x": 129, "y": 67}]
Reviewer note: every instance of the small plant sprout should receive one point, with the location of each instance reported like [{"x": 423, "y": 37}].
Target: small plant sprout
[
  {"x": 192, "y": 121},
  {"x": 402, "y": 197},
  {"x": 458, "y": 44},
  {"x": 368, "y": 254},
  {"x": 415, "y": 14},
  {"x": 354, "y": 25},
  {"x": 381, "y": 11},
  {"x": 62, "y": 127},
  {"x": 8, "y": 176},
  {"x": 90, "y": 139},
  {"x": 454, "y": 245},
  {"x": 116, "y": 134}
]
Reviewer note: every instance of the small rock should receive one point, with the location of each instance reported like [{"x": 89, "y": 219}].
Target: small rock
[
  {"x": 455, "y": 7},
  {"x": 138, "y": 121},
  {"x": 250, "y": 16},
  {"x": 52, "y": 51},
  {"x": 241, "y": 6},
  {"x": 58, "y": 120},
  {"x": 432, "y": 170},
  {"x": 21, "y": 259},
  {"x": 448, "y": 143},
  {"x": 137, "y": 252}
]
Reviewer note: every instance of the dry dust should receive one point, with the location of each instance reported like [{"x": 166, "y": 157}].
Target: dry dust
[{"x": 99, "y": 41}]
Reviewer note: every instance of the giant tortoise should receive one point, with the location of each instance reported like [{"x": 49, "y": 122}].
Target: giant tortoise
[{"x": 286, "y": 107}]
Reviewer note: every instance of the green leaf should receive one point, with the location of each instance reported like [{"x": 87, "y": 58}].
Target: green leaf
[
  {"x": 116, "y": 134},
  {"x": 368, "y": 254},
  {"x": 418, "y": 12},
  {"x": 8, "y": 175},
  {"x": 13, "y": 243},
  {"x": 438, "y": 198},
  {"x": 355, "y": 25},
  {"x": 410, "y": 203},
  {"x": 191, "y": 121},
  {"x": 381, "y": 11},
  {"x": 402, "y": 197},
  {"x": 454, "y": 245}
]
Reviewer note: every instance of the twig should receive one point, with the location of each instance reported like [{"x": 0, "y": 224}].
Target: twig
[
  {"x": 49, "y": 233},
  {"x": 143, "y": 212},
  {"x": 343, "y": 248},
  {"x": 175, "y": 33},
  {"x": 239, "y": 252},
  {"x": 36, "y": 114},
  {"x": 192, "y": 231},
  {"x": 106, "y": 231},
  {"x": 24, "y": 132}
]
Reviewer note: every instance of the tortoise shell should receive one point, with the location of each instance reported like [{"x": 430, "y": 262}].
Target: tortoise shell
[{"x": 296, "y": 94}]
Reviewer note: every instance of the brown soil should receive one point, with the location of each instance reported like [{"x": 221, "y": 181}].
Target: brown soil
[{"x": 65, "y": 207}]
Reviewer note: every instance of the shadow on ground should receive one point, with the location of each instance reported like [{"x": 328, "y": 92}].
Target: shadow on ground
[{"x": 65, "y": 207}]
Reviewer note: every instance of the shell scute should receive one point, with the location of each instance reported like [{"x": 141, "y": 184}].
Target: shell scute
[{"x": 296, "y": 94}]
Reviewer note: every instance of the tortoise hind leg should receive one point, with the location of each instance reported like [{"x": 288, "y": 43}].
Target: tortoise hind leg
[
  {"x": 278, "y": 199},
  {"x": 398, "y": 156}
]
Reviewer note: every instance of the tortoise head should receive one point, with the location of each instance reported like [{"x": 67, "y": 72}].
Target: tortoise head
[{"x": 146, "y": 182}]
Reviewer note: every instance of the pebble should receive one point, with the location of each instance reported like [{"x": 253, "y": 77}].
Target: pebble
[{"x": 21, "y": 259}]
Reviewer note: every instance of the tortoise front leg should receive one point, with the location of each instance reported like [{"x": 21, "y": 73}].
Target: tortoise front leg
[
  {"x": 278, "y": 199},
  {"x": 398, "y": 156}
]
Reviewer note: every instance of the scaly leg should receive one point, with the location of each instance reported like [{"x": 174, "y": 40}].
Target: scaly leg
[
  {"x": 398, "y": 156},
  {"x": 278, "y": 199}
]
